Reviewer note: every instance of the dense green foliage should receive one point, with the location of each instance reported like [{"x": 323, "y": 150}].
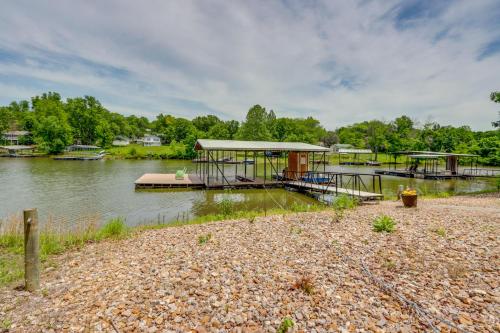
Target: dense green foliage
[
  {"x": 55, "y": 123},
  {"x": 402, "y": 134}
]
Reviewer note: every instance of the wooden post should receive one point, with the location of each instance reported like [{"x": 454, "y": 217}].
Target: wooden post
[{"x": 31, "y": 250}]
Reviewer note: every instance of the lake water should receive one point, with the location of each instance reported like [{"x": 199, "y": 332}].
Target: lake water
[{"x": 74, "y": 190}]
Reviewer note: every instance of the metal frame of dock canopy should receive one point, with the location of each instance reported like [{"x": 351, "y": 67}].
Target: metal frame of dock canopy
[
  {"x": 213, "y": 155},
  {"x": 433, "y": 157},
  {"x": 356, "y": 152}
]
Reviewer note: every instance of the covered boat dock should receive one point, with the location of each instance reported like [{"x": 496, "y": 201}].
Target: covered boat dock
[
  {"x": 222, "y": 164},
  {"x": 431, "y": 165}
]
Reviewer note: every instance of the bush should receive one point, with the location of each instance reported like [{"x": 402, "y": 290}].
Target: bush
[
  {"x": 384, "y": 223},
  {"x": 226, "y": 206},
  {"x": 203, "y": 239},
  {"x": 114, "y": 228},
  {"x": 343, "y": 202},
  {"x": 286, "y": 323}
]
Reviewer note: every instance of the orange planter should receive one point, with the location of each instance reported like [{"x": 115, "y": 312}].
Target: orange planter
[{"x": 409, "y": 200}]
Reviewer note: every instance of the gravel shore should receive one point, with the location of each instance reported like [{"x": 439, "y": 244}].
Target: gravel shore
[{"x": 247, "y": 275}]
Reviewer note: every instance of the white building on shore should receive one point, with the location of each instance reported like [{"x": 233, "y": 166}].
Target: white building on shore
[{"x": 13, "y": 137}]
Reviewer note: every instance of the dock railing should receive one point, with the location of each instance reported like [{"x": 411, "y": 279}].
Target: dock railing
[
  {"x": 333, "y": 181},
  {"x": 474, "y": 172}
]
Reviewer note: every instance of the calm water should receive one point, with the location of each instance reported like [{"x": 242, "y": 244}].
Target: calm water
[{"x": 72, "y": 190}]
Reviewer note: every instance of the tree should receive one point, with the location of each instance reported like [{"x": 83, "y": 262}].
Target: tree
[
  {"x": 255, "y": 126},
  {"x": 330, "y": 138},
  {"x": 53, "y": 135},
  {"x": 205, "y": 123},
  {"x": 6, "y": 118},
  {"x": 495, "y": 97},
  {"x": 104, "y": 134},
  {"x": 84, "y": 115},
  {"x": 376, "y": 139},
  {"x": 219, "y": 131},
  {"x": 232, "y": 127}
]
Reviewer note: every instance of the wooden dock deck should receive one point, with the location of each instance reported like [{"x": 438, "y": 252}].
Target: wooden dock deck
[
  {"x": 420, "y": 175},
  {"x": 168, "y": 180},
  {"x": 334, "y": 190}
]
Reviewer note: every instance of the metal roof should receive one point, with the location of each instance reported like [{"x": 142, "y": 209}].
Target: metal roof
[
  {"x": 354, "y": 151},
  {"x": 435, "y": 153},
  {"x": 208, "y": 144},
  {"x": 20, "y": 147},
  {"x": 427, "y": 156}
]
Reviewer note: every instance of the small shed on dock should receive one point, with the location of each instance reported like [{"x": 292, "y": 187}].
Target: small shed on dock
[{"x": 233, "y": 163}]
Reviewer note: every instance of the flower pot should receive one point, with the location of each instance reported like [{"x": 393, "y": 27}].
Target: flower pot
[{"x": 409, "y": 200}]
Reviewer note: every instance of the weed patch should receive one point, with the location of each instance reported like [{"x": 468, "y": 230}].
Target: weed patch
[
  {"x": 203, "y": 239},
  {"x": 285, "y": 325},
  {"x": 304, "y": 283},
  {"x": 384, "y": 223}
]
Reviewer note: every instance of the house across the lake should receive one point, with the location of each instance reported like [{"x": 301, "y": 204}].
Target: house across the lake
[
  {"x": 151, "y": 141},
  {"x": 121, "y": 141},
  {"x": 13, "y": 137}
]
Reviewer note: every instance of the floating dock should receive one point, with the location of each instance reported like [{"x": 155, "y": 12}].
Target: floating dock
[
  {"x": 421, "y": 175},
  {"x": 168, "y": 180}
]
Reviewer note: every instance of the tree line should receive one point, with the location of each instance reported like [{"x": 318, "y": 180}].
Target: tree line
[{"x": 55, "y": 124}]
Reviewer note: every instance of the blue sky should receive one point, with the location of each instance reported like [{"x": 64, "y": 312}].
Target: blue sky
[{"x": 338, "y": 61}]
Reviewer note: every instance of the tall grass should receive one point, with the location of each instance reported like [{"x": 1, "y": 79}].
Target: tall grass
[{"x": 55, "y": 238}]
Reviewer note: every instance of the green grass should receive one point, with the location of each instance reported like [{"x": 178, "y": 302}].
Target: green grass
[
  {"x": 53, "y": 241},
  {"x": 134, "y": 151},
  {"x": 343, "y": 202},
  {"x": 114, "y": 228},
  {"x": 384, "y": 223}
]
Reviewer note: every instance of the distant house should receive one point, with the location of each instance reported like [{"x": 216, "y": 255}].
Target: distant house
[
  {"x": 13, "y": 137},
  {"x": 151, "y": 140},
  {"x": 336, "y": 147},
  {"x": 121, "y": 141}
]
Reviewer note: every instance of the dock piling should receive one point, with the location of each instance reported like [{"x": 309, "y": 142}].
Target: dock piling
[{"x": 31, "y": 250}]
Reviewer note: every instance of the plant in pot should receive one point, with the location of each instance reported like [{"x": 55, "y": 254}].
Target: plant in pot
[{"x": 409, "y": 197}]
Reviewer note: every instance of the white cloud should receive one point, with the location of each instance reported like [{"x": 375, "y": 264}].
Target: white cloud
[{"x": 338, "y": 61}]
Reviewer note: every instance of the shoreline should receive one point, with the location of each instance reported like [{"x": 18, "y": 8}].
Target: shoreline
[{"x": 242, "y": 275}]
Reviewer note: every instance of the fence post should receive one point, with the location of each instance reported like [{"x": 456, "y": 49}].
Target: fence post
[{"x": 31, "y": 250}]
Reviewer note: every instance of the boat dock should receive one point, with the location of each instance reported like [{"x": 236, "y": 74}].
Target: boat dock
[
  {"x": 192, "y": 181},
  {"x": 284, "y": 164}
]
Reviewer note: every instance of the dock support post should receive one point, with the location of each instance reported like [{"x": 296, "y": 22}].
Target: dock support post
[
  {"x": 31, "y": 250},
  {"x": 245, "y": 164}
]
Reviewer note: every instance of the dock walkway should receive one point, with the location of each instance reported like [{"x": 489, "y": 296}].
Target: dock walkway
[{"x": 334, "y": 190}]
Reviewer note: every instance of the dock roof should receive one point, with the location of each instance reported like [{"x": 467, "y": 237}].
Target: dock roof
[
  {"x": 434, "y": 153},
  {"x": 354, "y": 151},
  {"x": 233, "y": 145}
]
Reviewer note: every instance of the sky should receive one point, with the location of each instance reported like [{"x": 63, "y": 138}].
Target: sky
[{"x": 338, "y": 61}]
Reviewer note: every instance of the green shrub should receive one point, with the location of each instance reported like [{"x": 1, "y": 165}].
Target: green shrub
[
  {"x": 132, "y": 151},
  {"x": 226, "y": 206},
  {"x": 384, "y": 223},
  {"x": 286, "y": 323},
  {"x": 343, "y": 202},
  {"x": 203, "y": 239},
  {"x": 441, "y": 231},
  {"x": 114, "y": 228}
]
